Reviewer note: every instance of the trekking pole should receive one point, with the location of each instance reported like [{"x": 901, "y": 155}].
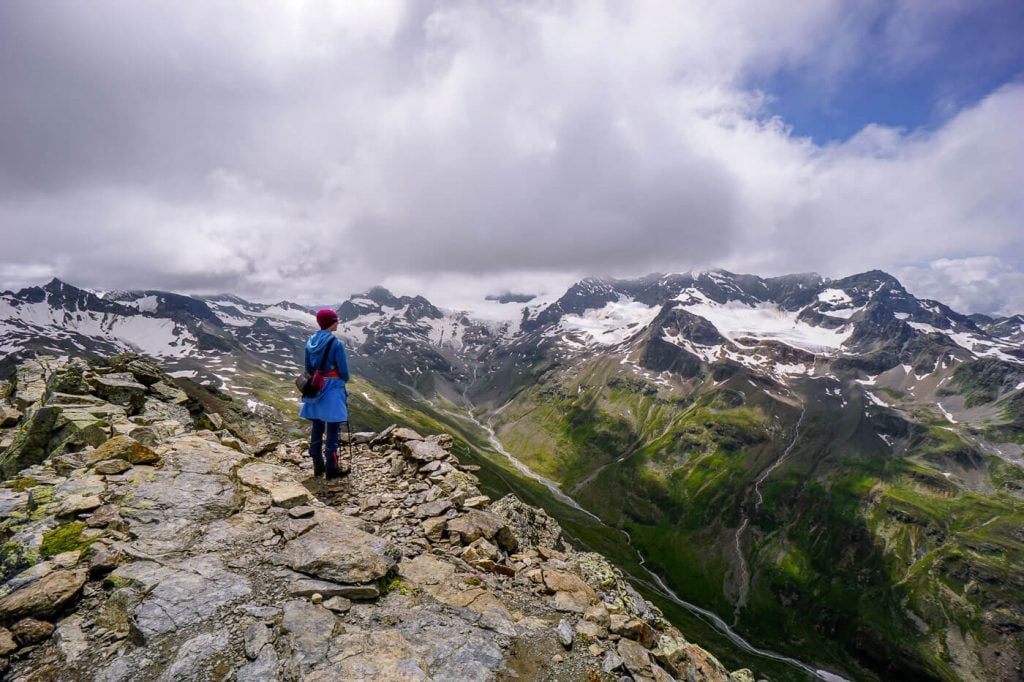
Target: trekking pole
[{"x": 348, "y": 425}]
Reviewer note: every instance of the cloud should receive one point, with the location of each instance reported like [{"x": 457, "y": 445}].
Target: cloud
[
  {"x": 983, "y": 283},
  {"x": 309, "y": 149}
]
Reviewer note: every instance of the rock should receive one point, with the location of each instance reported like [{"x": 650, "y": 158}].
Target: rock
[
  {"x": 168, "y": 393},
  {"x": 195, "y": 656},
  {"x": 147, "y": 435},
  {"x": 532, "y": 527},
  {"x": 476, "y": 502},
  {"x": 300, "y": 512},
  {"x": 9, "y": 416},
  {"x": 264, "y": 668},
  {"x": 612, "y": 662},
  {"x": 176, "y": 596},
  {"x": 232, "y": 441},
  {"x": 112, "y": 467},
  {"x": 380, "y": 655},
  {"x": 741, "y": 675},
  {"x": 591, "y": 630},
  {"x": 435, "y": 508},
  {"x": 277, "y": 481},
  {"x": 422, "y": 451},
  {"x": 637, "y": 630},
  {"x": 574, "y": 602},
  {"x": 433, "y": 528},
  {"x": 566, "y": 633},
  {"x": 338, "y": 604},
  {"x": 123, "y": 447},
  {"x": 44, "y": 597},
  {"x": 105, "y": 515},
  {"x": 143, "y": 370},
  {"x": 308, "y": 629},
  {"x": 31, "y": 631},
  {"x": 119, "y": 388},
  {"x": 337, "y": 550},
  {"x": 103, "y": 559},
  {"x": 597, "y": 614},
  {"x": 404, "y": 434},
  {"x": 76, "y": 504},
  {"x": 256, "y": 636},
  {"x": 425, "y": 570},
  {"x": 70, "y": 639},
  {"x": 480, "y": 524},
  {"x": 265, "y": 447},
  {"x": 479, "y": 550},
  {"x": 635, "y": 656},
  {"x": 7, "y": 644},
  {"x": 561, "y": 581}
]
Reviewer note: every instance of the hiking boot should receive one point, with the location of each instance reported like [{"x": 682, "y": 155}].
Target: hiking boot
[
  {"x": 318, "y": 468},
  {"x": 333, "y": 470}
]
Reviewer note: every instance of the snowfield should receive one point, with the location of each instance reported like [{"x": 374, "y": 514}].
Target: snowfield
[
  {"x": 734, "y": 320},
  {"x": 612, "y": 324}
]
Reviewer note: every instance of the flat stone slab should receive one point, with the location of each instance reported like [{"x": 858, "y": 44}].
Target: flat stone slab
[
  {"x": 339, "y": 551},
  {"x": 276, "y": 481},
  {"x": 180, "y": 595}
]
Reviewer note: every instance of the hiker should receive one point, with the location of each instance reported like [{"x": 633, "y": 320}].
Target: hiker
[{"x": 327, "y": 410}]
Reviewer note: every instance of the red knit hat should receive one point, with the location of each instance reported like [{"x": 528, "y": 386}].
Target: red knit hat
[{"x": 326, "y": 317}]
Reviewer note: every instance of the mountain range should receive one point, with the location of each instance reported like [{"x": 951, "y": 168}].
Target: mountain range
[{"x": 834, "y": 467}]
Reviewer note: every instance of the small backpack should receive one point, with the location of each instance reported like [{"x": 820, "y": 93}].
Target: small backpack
[{"x": 310, "y": 385}]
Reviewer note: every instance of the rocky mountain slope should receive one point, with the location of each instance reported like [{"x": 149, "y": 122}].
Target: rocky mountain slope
[
  {"x": 139, "y": 545},
  {"x": 774, "y": 447}
]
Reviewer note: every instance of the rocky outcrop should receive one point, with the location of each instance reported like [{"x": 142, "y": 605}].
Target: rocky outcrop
[{"x": 190, "y": 557}]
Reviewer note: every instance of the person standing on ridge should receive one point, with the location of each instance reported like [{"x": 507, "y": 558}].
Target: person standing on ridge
[{"x": 329, "y": 409}]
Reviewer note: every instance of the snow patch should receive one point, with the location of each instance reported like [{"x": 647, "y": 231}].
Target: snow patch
[
  {"x": 734, "y": 319},
  {"x": 834, "y": 296},
  {"x": 612, "y": 324}
]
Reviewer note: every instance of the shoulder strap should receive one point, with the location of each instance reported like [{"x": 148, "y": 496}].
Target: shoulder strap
[{"x": 327, "y": 354}]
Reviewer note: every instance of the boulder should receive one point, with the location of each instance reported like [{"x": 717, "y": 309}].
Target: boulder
[
  {"x": 276, "y": 481},
  {"x": 9, "y": 416},
  {"x": 29, "y": 631},
  {"x": 435, "y": 508},
  {"x": 125, "y": 448},
  {"x": 480, "y": 524},
  {"x": 404, "y": 434},
  {"x": 112, "y": 467},
  {"x": 121, "y": 389},
  {"x": 426, "y": 570},
  {"x": 433, "y": 528},
  {"x": 635, "y": 656},
  {"x": 532, "y": 527},
  {"x": 145, "y": 371},
  {"x": 168, "y": 393},
  {"x": 7, "y": 643},
  {"x": 45, "y": 597},
  {"x": 423, "y": 451},
  {"x": 76, "y": 504},
  {"x": 566, "y": 633},
  {"x": 339, "y": 551}
]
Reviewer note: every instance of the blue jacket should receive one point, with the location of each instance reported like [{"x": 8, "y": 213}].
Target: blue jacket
[{"x": 330, "y": 405}]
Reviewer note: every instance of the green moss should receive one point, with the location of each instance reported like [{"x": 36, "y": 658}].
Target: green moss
[
  {"x": 21, "y": 484},
  {"x": 395, "y": 584},
  {"x": 66, "y": 538}
]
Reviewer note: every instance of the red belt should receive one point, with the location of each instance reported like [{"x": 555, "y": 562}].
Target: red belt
[{"x": 333, "y": 374}]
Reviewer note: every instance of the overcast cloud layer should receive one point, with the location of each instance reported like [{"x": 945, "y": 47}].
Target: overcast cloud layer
[{"x": 306, "y": 150}]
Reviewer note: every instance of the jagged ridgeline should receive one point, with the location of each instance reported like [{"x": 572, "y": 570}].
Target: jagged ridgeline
[{"x": 151, "y": 531}]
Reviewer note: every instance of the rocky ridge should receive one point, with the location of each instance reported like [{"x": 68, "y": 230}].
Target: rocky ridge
[{"x": 140, "y": 545}]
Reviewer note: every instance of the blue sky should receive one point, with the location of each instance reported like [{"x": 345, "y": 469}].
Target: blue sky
[{"x": 962, "y": 53}]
